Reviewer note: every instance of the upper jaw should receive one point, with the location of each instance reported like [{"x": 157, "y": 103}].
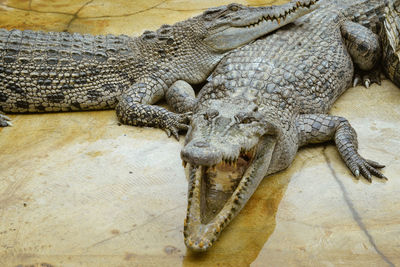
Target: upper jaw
[
  {"x": 254, "y": 23},
  {"x": 204, "y": 153},
  {"x": 286, "y": 12}
]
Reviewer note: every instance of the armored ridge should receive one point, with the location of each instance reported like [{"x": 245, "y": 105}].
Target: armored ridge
[
  {"x": 269, "y": 98},
  {"x": 390, "y": 34},
  {"x": 49, "y": 72}
]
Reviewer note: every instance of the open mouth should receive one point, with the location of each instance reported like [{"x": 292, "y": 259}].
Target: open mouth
[
  {"x": 220, "y": 181},
  {"x": 214, "y": 198},
  {"x": 217, "y": 193}
]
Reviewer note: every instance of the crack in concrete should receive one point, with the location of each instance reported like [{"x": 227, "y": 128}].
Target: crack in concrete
[
  {"x": 356, "y": 216},
  {"x": 133, "y": 228},
  {"x": 34, "y": 10},
  {"x": 127, "y": 14},
  {"x": 75, "y": 16},
  {"x": 181, "y": 10}
]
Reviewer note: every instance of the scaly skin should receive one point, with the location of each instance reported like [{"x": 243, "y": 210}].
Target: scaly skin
[
  {"x": 390, "y": 35},
  {"x": 269, "y": 98},
  {"x": 57, "y": 71}
]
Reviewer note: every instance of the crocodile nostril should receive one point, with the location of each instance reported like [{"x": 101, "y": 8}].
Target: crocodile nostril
[{"x": 201, "y": 144}]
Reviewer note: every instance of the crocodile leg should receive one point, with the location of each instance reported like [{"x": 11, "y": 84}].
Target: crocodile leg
[
  {"x": 135, "y": 108},
  {"x": 4, "y": 120},
  {"x": 365, "y": 50},
  {"x": 181, "y": 97},
  {"x": 317, "y": 128}
]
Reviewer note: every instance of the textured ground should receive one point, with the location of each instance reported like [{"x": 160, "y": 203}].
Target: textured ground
[{"x": 77, "y": 189}]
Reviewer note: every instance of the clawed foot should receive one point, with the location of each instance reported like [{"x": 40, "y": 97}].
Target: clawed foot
[
  {"x": 367, "y": 168},
  {"x": 176, "y": 122},
  {"x": 5, "y": 121},
  {"x": 367, "y": 78}
]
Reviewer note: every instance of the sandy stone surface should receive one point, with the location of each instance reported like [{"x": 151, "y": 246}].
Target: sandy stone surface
[{"x": 78, "y": 189}]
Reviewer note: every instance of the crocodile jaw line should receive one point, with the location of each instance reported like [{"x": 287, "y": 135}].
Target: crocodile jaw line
[
  {"x": 234, "y": 36},
  {"x": 200, "y": 236}
]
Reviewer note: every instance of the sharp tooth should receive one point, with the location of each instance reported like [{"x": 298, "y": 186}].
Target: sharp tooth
[{"x": 201, "y": 244}]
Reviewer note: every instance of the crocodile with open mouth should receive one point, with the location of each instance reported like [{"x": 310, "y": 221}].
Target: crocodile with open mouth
[
  {"x": 60, "y": 71},
  {"x": 268, "y": 99}
]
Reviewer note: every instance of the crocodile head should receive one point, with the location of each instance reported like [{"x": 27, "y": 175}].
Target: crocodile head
[
  {"x": 231, "y": 26},
  {"x": 228, "y": 150},
  {"x": 190, "y": 49}
]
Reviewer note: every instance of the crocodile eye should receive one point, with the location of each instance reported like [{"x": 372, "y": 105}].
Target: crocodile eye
[
  {"x": 211, "y": 114},
  {"x": 233, "y": 7},
  {"x": 244, "y": 118},
  {"x": 247, "y": 120}
]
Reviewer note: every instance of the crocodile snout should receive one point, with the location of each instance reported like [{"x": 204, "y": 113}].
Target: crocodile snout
[{"x": 201, "y": 153}]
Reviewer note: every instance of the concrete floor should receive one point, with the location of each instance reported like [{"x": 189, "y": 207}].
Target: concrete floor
[{"x": 77, "y": 189}]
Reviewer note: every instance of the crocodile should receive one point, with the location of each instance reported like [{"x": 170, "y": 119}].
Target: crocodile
[
  {"x": 60, "y": 71},
  {"x": 390, "y": 36},
  {"x": 269, "y": 98}
]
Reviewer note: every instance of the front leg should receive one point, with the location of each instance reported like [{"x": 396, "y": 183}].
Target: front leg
[
  {"x": 135, "y": 108},
  {"x": 317, "y": 128},
  {"x": 181, "y": 97},
  {"x": 365, "y": 49}
]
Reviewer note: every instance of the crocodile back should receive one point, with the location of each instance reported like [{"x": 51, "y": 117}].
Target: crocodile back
[
  {"x": 64, "y": 68},
  {"x": 59, "y": 48}
]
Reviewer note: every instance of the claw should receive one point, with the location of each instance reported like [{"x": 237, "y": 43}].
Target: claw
[
  {"x": 367, "y": 83},
  {"x": 5, "y": 121},
  {"x": 356, "y": 80},
  {"x": 366, "y": 173},
  {"x": 367, "y": 77},
  {"x": 175, "y": 134},
  {"x": 367, "y": 168},
  {"x": 375, "y": 164},
  {"x": 376, "y": 173},
  {"x": 2, "y": 116},
  {"x": 168, "y": 132},
  {"x": 174, "y": 123}
]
